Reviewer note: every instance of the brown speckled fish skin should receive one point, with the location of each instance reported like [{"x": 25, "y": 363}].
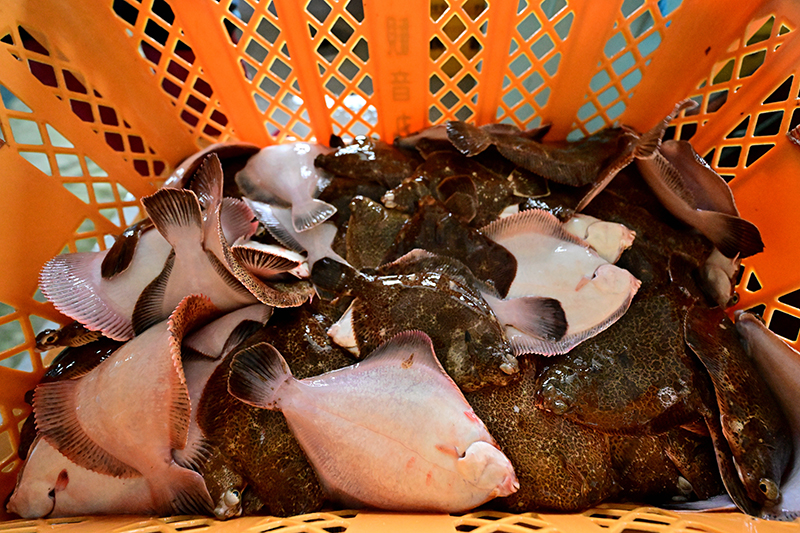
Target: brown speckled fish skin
[
  {"x": 633, "y": 378},
  {"x": 752, "y": 422},
  {"x": 434, "y": 229},
  {"x": 493, "y": 191},
  {"x": 694, "y": 457},
  {"x": 561, "y": 466},
  {"x": 367, "y": 159},
  {"x": 466, "y": 335},
  {"x": 256, "y": 442},
  {"x": 371, "y": 231}
]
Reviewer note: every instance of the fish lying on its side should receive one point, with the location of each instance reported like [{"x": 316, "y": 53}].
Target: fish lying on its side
[
  {"x": 398, "y": 434},
  {"x": 779, "y": 365},
  {"x": 125, "y": 416},
  {"x": 286, "y": 173}
]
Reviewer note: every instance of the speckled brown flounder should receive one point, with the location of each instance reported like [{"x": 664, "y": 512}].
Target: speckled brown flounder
[
  {"x": 434, "y": 229},
  {"x": 560, "y": 465},
  {"x": 257, "y": 442},
  {"x": 676, "y": 465},
  {"x": 752, "y": 422},
  {"x": 491, "y": 191},
  {"x": 370, "y": 232},
  {"x": 634, "y": 377},
  {"x": 367, "y": 159},
  {"x": 466, "y": 335}
]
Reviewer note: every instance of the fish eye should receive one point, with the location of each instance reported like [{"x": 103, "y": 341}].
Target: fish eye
[
  {"x": 769, "y": 488},
  {"x": 52, "y": 494},
  {"x": 734, "y": 299},
  {"x": 467, "y": 337}
]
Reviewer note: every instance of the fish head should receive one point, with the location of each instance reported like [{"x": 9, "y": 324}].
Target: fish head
[
  {"x": 759, "y": 465},
  {"x": 229, "y": 504},
  {"x": 489, "y": 357},
  {"x": 488, "y": 469},
  {"x": 37, "y": 489}
]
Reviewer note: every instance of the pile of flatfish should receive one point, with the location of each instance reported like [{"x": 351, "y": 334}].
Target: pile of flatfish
[{"x": 471, "y": 316}]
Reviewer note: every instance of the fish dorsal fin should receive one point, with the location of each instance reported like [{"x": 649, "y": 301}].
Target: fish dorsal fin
[
  {"x": 56, "y": 412},
  {"x": 242, "y": 332},
  {"x": 266, "y": 215},
  {"x": 650, "y": 141},
  {"x": 265, "y": 260},
  {"x": 238, "y": 220},
  {"x": 193, "y": 311},
  {"x": 148, "y": 308},
  {"x": 530, "y": 221},
  {"x": 405, "y": 349},
  {"x": 673, "y": 180},
  {"x": 207, "y": 183},
  {"x": 176, "y": 214}
]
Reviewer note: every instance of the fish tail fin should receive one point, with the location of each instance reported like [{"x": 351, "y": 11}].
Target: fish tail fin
[
  {"x": 182, "y": 492},
  {"x": 468, "y": 139},
  {"x": 176, "y": 214},
  {"x": 535, "y": 315},
  {"x": 257, "y": 373},
  {"x": 732, "y": 235},
  {"x": 312, "y": 213},
  {"x": 332, "y": 275}
]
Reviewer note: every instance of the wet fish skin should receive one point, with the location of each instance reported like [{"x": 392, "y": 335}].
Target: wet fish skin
[
  {"x": 370, "y": 232},
  {"x": 561, "y": 466},
  {"x": 466, "y": 335},
  {"x": 779, "y": 365},
  {"x": 257, "y": 443},
  {"x": 751, "y": 419},
  {"x": 369, "y": 159},
  {"x": 427, "y": 453}
]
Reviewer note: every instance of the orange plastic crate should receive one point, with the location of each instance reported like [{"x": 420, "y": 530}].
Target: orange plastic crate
[{"x": 101, "y": 101}]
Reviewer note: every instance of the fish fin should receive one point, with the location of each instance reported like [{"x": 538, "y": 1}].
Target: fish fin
[
  {"x": 176, "y": 214},
  {"x": 408, "y": 348},
  {"x": 120, "y": 255},
  {"x": 310, "y": 214},
  {"x": 257, "y": 372},
  {"x": 56, "y": 415},
  {"x": 262, "y": 263},
  {"x": 463, "y": 206},
  {"x": 223, "y": 272},
  {"x": 672, "y": 179},
  {"x": 241, "y": 333},
  {"x": 70, "y": 282},
  {"x": 193, "y": 311},
  {"x": 530, "y": 221},
  {"x": 264, "y": 213},
  {"x": 207, "y": 182},
  {"x": 535, "y": 315},
  {"x": 732, "y": 235},
  {"x": 607, "y": 173},
  {"x": 238, "y": 220},
  {"x": 727, "y": 469},
  {"x": 149, "y": 306},
  {"x": 468, "y": 139},
  {"x": 456, "y": 184},
  {"x": 194, "y": 456},
  {"x": 648, "y": 143},
  {"x": 183, "y": 492},
  {"x": 700, "y": 325}
]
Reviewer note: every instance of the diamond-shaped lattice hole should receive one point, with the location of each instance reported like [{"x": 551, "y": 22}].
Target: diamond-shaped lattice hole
[
  {"x": 268, "y": 30},
  {"x": 438, "y": 7},
  {"x": 454, "y": 28},
  {"x": 755, "y": 153},
  {"x": 449, "y": 99},
  {"x": 269, "y": 86},
  {"x": 624, "y": 63},
  {"x": 25, "y": 131},
  {"x": 564, "y": 25},
  {"x": 103, "y": 192},
  {"x": 725, "y": 73},
  {"x": 280, "y": 69},
  {"x": 740, "y": 130},
  {"x": 20, "y": 361},
  {"x": 82, "y": 109},
  {"x": 512, "y": 98},
  {"x": 464, "y": 114},
  {"x": 542, "y": 46},
  {"x": 451, "y": 67},
  {"x": 762, "y": 33},
  {"x": 688, "y": 130},
  {"x": 434, "y": 114},
  {"x": 729, "y": 156},
  {"x": 768, "y": 123},
  {"x": 716, "y": 100},
  {"x": 587, "y": 110},
  {"x": 69, "y": 165},
  {"x": 72, "y": 82},
  {"x": 126, "y": 12},
  {"x": 532, "y": 82},
  {"x": 348, "y": 69},
  {"x": 524, "y": 112},
  {"x": 342, "y": 30},
  {"x": 256, "y": 51},
  {"x": 11, "y": 102},
  {"x": 751, "y": 62},
  {"x": 785, "y": 325},
  {"x": 791, "y": 299},
  {"x": 474, "y": 8},
  {"x": 39, "y": 160},
  {"x": 471, "y": 48},
  {"x": 153, "y": 30},
  {"x": 615, "y": 45},
  {"x": 551, "y": 8},
  {"x": 753, "y": 285},
  {"x": 781, "y": 94},
  {"x": 630, "y": 6},
  {"x": 112, "y": 214},
  {"x": 87, "y": 245},
  {"x": 78, "y": 189},
  {"x": 649, "y": 44},
  {"x": 11, "y": 335},
  {"x": 43, "y": 72},
  {"x": 356, "y": 9},
  {"x": 529, "y": 26},
  {"x": 467, "y": 83},
  {"x": 335, "y": 86},
  {"x": 641, "y": 24},
  {"x": 436, "y": 48},
  {"x": 435, "y": 84},
  {"x": 327, "y": 50},
  {"x": 551, "y": 65},
  {"x": 319, "y": 9}
]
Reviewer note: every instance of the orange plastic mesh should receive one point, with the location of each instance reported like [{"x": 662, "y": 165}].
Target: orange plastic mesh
[{"x": 98, "y": 104}]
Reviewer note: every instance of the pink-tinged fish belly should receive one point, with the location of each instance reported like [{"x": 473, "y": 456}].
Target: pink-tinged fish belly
[
  {"x": 387, "y": 439},
  {"x": 124, "y": 404}
]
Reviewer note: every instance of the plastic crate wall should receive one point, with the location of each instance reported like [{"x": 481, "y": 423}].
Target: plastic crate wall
[{"x": 100, "y": 103}]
